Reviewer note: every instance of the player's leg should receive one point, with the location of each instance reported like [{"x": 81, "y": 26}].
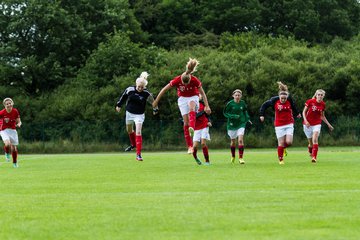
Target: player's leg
[
  {"x": 192, "y": 117},
  {"x": 7, "y": 144},
  {"x": 184, "y": 110},
  {"x": 7, "y": 150},
  {"x": 280, "y": 135},
  {"x": 14, "y": 139},
  {"x": 241, "y": 148},
  {"x": 14, "y": 153},
  {"x": 308, "y": 131},
  {"x": 280, "y": 149},
  {"x": 315, "y": 148},
  {"x": 287, "y": 143},
  {"x": 289, "y": 130},
  {"x": 138, "y": 128},
  {"x": 188, "y": 140},
  {"x": 232, "y": 134},
  {"x": 310, "y": 146},
  {"x": 195, "y": 148},
  {"x": 232, "y": 149},
  {"x": 130, "y": 131},
  {"x": 205, "y": 151},
  {"x": 240, "y": 135}
]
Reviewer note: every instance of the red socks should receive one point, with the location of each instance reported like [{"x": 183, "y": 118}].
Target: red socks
[
  {"x": 138, "y": 144},
  {"x": 206, "y": 153},
  {"x": 188, "y": 139},
  {"x": 310, "y": 150},
  {"x": 132, "y": 139},
  {"x": 192, "y": 119},
  {"x": 195, "y": 153},
  {"x": 232, "y": 148},
  {"x": 315, "y": 150},
  {"x": 7, "y": 149},
  {"x": 280, "y": 152},
  {"x": 241, "y": 151},
  {"x": 14, "y": 156}
]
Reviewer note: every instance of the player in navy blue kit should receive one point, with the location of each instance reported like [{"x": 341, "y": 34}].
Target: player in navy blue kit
[{"x": 135, "y": 98}]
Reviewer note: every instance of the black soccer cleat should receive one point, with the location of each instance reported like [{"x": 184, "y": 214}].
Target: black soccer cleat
[{"x": 129, "y": 148}]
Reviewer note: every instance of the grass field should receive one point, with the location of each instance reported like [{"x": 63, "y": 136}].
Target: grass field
[{"x": 111, "y": 196}]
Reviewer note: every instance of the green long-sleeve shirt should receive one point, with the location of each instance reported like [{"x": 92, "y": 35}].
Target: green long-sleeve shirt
[{"x": 236, "y": 114}]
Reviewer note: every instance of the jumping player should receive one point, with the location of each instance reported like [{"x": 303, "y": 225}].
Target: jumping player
[
  {"x": 136, "y": 98},
  {"x": 201, "y": 134},
  {"x": 10, "y": 120},
  {"x": 313, "y": 115},
  {"x": 285, "y": 110},
  {"x": 237, "y": 116},
  {"x": 188, "y": 89}
]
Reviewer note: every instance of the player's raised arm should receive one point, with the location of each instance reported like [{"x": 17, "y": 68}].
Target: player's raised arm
[
  {"x": 204, "y": 97},
  {"x": 161, "y": 93},
  {"x": 151, "y": 101}
]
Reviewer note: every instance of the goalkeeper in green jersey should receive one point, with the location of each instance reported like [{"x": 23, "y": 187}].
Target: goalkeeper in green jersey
[{"x": 237, "y": 116}]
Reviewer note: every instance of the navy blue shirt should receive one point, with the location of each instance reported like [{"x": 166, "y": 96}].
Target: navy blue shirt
[{"x": 135, "y": 101}]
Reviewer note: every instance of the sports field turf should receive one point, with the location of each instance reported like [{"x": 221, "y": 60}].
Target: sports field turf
[{"x": 168, "y": 196}]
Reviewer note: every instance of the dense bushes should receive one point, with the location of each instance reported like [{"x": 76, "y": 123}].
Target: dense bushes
[{"x": 253, "y": 63}]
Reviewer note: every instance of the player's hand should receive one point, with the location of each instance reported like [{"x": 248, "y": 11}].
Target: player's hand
[
  {"x": 18, "y": 124},
  {"x": 250, "y": 122},
  {"x": 155, "y": 104},
  {"x": 307, "y": 124},
  {"x": 155, "y": 111},
  {"x": 118, "y": 109},
  {"x": 331, "y": 128},
  {"x": 207, "y": 110},
  {"x": 209, "y": 124},
  {"x": 262, "y": 119}
]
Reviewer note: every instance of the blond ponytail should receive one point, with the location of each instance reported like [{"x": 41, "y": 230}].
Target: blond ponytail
[
  {"x": 283, "y": 89},
  {"x": 142, "y": 79},
  {"x": 190, "y": 68}
]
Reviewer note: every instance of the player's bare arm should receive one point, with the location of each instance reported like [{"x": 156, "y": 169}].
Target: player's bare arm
[
  {"x": 18, "y": 122},
  {"x": 326, "y": 121},
  {"x": 150, "y": 100},
  {"x": 307, "y": 124},
  {"x": 161, "y": 93},
  {"x": 207, "y": 107}
]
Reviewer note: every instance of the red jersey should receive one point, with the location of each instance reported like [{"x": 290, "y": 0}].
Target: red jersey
[
  {"x": 314, "y": 112},
  {"x": 188, "y": 90},
  {"x": 8, "y": 119},
  {"x": 283, "y": 113},
  {"x": 202, "y": 120}
]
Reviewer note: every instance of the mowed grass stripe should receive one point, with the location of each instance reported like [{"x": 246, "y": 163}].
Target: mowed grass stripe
[{"x": 111, "y": 196}]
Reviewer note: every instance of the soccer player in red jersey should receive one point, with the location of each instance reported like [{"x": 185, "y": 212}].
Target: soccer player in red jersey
[
  {"x": 10, "y": 120},
  {"x": 136, "y": 98},
  {"x": 188, "y": 89},
  {"x": 285, "y": 110},
  {"x": 313, "y": 115},
  {"x": 201, "y": 134}
]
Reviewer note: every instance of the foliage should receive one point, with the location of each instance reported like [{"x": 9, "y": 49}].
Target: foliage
[
  {"x": 115, "y": 65},
  {"x": 69, "y": 61},
  {"x": 46, "y": 42},
  {"x": 110, "y": 69},
  {"x": 316, "y": 21}
]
